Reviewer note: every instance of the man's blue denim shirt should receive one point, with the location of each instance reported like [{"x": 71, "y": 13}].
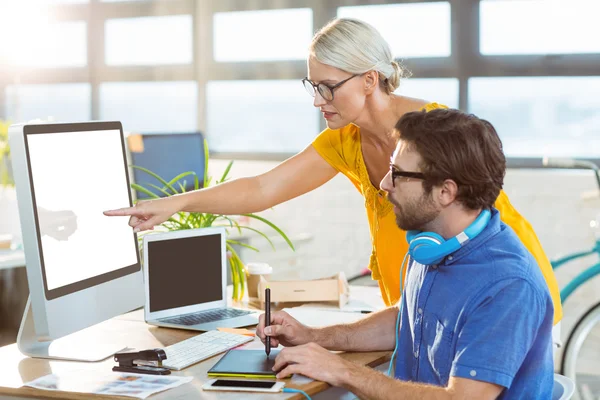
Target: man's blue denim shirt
[{"x": 484, "y": 313}]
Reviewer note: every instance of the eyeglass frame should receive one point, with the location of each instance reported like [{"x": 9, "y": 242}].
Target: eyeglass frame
[
  {"x": 404, "y": 174},
  {"x": 331, "y": 88}
]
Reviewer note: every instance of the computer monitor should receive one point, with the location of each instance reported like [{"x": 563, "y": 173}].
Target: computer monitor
[
  {"x": 168, "y": 155},
  {"x": 82, "y": 267}
]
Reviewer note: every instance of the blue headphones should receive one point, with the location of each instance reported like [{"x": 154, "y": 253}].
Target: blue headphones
[{"x": 429, "y": 248}]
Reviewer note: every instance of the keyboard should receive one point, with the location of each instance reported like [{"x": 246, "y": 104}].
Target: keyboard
[
  {"x": 217, "y": 314},
  {"x": 195, "y": 349}
]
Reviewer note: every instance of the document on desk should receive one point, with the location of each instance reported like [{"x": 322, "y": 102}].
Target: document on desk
[
  {"x": 363, "y": 299},
  {"x": 110, "y": 383},
  {"x": 317, "y": 318}
]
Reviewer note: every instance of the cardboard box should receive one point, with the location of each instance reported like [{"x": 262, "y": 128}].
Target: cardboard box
[
  {"x": 330, "y": 289},
  {"x": 5, "y": 241}
]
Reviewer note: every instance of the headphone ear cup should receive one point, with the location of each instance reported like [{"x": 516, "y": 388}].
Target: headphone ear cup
[{"x": 423, "y": 245}]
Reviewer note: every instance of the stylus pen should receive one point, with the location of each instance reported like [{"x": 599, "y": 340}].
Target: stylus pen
[{"x": 267, "y": 319}]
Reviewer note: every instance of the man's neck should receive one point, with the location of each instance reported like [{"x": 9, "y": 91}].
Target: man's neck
[{"x": 452, "y": 221}]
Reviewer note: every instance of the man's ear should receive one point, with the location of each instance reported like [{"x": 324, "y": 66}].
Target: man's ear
[
  {"x": 448, "y": 192},
  {"x": 371, "y": 81}
]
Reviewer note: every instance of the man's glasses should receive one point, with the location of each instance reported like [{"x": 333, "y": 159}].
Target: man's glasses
[
  {"x": 324, "y": 90},
  {"x": 396, "y": 173}
]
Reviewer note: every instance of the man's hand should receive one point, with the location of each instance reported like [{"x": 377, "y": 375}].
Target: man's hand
[
  {"x": 284, "y": 329},
  {"x": 313, "y": 361}
]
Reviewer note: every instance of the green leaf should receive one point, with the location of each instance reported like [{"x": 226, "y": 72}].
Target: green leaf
[
  {"x": 224, "y": 177},
  {"x": 161, "y": 180},
  {"x": 272, "y": 225},
  {"x": 260, "y": 233},
  {"x": 196, "y": 182},
  {"x": 231, "y": 241},
  {"x": 235, "y": 276},
  {"x": 142, "y": 189},
  {"x": 182, "y": 175},
  {"x": 176, "y": 222},
  {"x": 210, "y": 218},
  {"x": 205, "y": 163},
  {"x": 242, "y": 274},
  {"x": 198, "y": 218},
  {"x": 159, "y": 189},
  {"x": 232, "y": 223}
]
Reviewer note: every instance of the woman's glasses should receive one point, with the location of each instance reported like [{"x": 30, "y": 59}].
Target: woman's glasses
[{"x": 324, "y": 90}]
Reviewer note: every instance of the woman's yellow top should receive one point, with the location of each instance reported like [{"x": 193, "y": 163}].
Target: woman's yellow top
[{"x": 341, "y": 148}]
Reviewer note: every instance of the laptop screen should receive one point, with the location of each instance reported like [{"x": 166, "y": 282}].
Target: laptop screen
[{"x": 184, "y": 272}]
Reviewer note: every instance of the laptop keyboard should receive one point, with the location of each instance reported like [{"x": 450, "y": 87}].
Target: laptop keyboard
[{"x": 217, "y": 314}]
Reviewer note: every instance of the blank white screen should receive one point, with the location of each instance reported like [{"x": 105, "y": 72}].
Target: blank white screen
[{"x": 76, "y": 176}]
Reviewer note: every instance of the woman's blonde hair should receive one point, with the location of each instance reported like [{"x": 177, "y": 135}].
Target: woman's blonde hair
[{"x": 357, "y": 47}]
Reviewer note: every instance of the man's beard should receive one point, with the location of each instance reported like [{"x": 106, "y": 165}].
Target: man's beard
[{"x": 414, "y": 215}]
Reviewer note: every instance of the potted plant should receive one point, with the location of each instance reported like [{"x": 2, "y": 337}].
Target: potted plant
[
  {"x": 6, "y": 179},
  {"x": 185, "y": 220},
  {"x": 9, "y": 215}
]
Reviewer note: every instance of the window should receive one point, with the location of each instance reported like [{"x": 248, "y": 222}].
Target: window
[
  {"x": 437, "y": 90},
  {"x": 69, "y": 102},
  {"x": 412, "y": 30},
  {"x": 40, "y": 44},
  {"x": 37, "y": 3},
  {"x": 541, "y": 116},
  {"x": 264, "y": 35},
  {"x": 151, "y": 106},
  {"x": 59, "y": 2},
  {"x": 149, "y": 40},
  {"x": 539, "y": 27},
  {"x": 260, "y": 116}
]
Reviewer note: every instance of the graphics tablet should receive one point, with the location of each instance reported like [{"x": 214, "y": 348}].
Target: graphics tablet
[{"x": 245, "y": 364}]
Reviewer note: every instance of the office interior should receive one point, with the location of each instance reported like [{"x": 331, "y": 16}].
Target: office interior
[{"x": 229, "y": 71}]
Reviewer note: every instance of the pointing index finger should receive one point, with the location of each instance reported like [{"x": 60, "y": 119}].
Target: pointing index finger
[{"x": 120, "y": 212}]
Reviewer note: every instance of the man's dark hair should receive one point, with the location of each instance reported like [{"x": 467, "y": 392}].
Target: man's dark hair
[{"x": 458, "y": 146}]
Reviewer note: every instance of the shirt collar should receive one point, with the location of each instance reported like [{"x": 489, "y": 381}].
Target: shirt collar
[{"x": 492, "y": 228}]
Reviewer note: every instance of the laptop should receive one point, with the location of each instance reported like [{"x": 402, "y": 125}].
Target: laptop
[{"x": 185, "y": 275}]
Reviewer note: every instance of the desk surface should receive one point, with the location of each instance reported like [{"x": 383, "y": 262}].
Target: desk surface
[{"x": 18, "y": 369}]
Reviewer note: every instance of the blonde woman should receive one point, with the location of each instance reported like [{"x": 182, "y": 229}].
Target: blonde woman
[{"x": 352, "y": 76}]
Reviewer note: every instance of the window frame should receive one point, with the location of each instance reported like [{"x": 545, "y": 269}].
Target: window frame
[{"x": 464, "y": 62}]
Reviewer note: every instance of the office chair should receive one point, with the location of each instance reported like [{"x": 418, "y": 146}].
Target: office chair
[
  {"x": 563, "y": 388},
  {"x": 168, "y": 155}
]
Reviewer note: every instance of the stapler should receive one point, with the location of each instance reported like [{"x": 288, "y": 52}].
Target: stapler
[{"x": 128, "y": 362}]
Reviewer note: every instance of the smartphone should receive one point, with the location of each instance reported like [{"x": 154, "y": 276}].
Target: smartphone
[{"x": 240, "y": 385}]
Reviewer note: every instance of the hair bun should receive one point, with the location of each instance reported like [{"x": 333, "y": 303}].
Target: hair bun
[{"x": 399, "y": 72}]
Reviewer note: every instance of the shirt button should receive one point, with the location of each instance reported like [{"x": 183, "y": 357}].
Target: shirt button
[
  {"x": 434, "y": 266},
  {"x": 450, "y": 258},
  {"x": 416, "y": 354},
  {"x": 473, "y": 372},
  {"x": 420, "y": 311}
]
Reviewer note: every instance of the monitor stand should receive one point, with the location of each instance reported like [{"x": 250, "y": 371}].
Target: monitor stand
[{"x": 79, "y": 346}]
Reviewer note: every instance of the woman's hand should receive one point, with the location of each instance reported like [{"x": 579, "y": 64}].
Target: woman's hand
[{"x": 146, "y": 214}]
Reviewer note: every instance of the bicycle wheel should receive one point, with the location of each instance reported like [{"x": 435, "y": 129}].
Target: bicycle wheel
[{"x": 582, "y": 354}]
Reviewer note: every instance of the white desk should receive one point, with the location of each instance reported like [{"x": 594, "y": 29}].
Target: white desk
[
  {"x": 11, "y": 259},
  {"x": 131, "y": 329}
]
